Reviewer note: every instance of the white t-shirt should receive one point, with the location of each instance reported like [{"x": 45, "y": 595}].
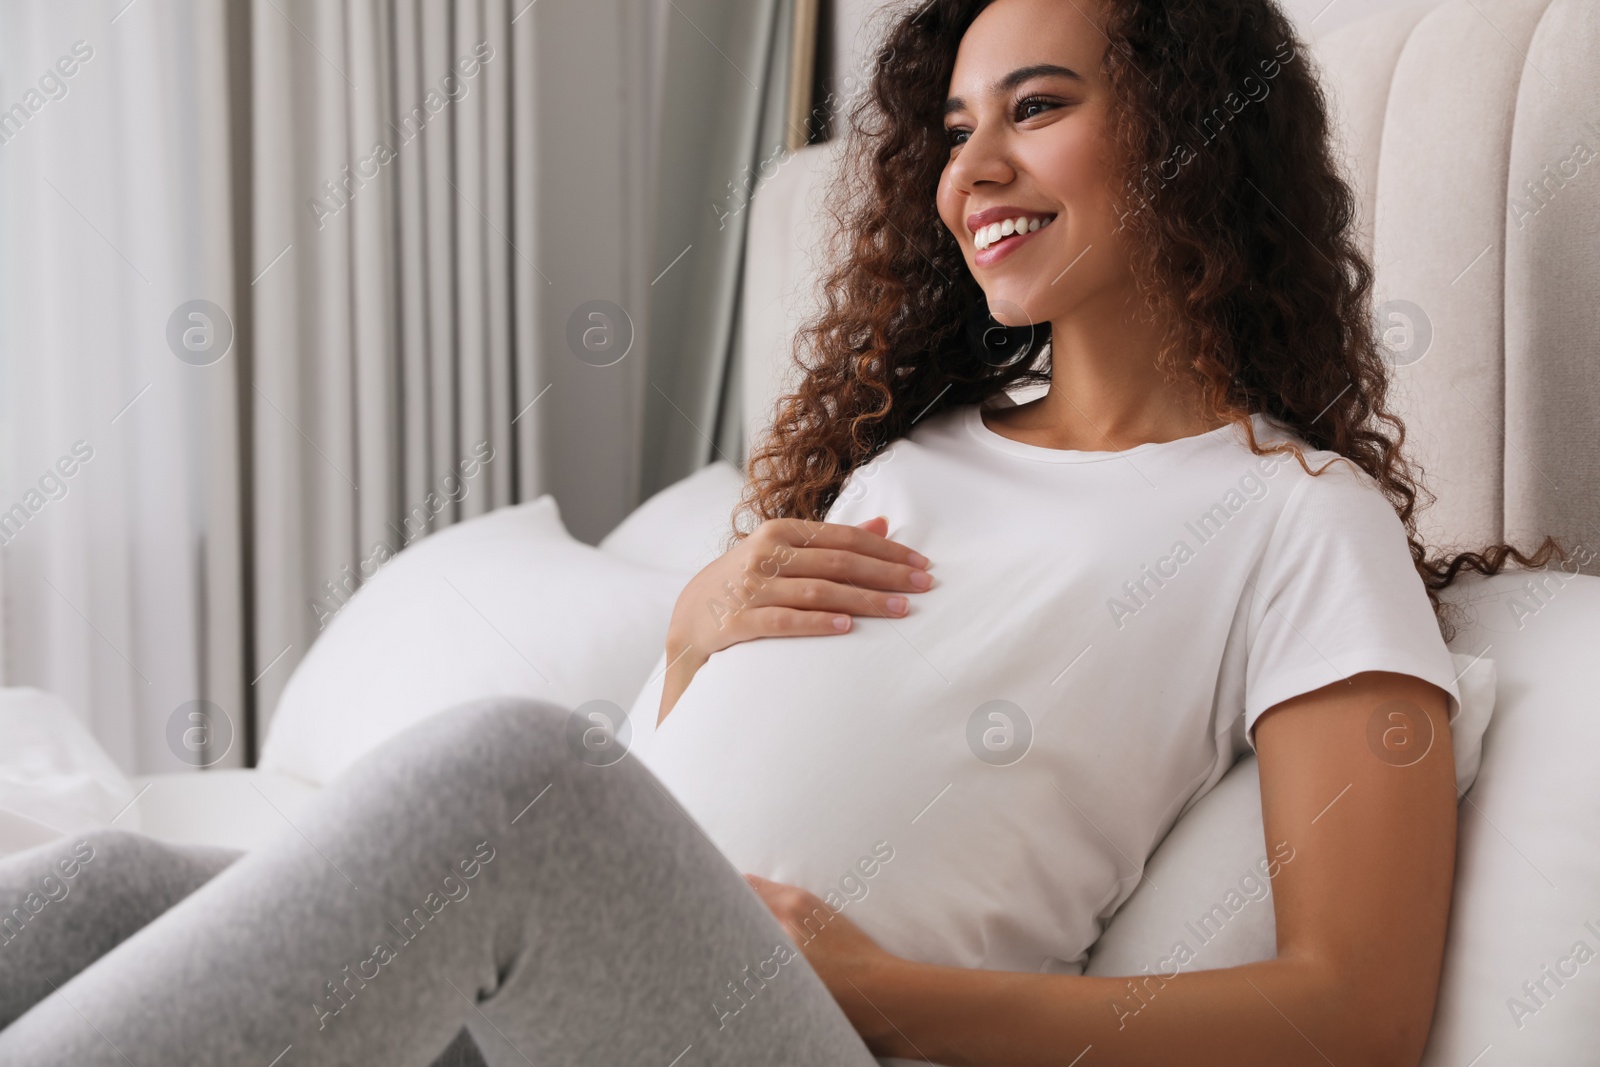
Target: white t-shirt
[{"x": 980, "y": 783}]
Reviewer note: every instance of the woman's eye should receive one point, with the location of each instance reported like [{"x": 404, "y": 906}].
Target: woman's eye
[
  {"x": 1031, "y": 102},
  {"x": 1024, "y": 110}
]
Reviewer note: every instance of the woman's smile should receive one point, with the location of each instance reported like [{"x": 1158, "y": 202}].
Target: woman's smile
[{"x": 990, "y": 248}]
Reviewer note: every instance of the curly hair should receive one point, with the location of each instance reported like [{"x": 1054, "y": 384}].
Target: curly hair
[{"x": 1247, "y": 246}]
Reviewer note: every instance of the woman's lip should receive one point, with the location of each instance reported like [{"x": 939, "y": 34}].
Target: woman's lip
[{"x": 988, "y": 257}]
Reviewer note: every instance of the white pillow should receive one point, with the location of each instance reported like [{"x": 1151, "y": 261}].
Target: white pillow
[
  {"x": 1219, "y": 848},
  {"x": 683, "y": 527},
  {"x": 54, "y": 777},
  {"x": 506, "y": 603},
  {"x": 1528, "y": 857}
]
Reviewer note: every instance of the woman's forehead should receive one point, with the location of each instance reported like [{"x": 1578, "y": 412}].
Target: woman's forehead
[{"x": 1016, "y": 35}]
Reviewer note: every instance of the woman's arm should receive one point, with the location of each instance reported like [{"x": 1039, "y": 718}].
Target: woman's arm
[{"x": 1362, "y": 914}]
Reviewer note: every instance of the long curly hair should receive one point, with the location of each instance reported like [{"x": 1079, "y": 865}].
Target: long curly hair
[{"x": 1246, "y": 244}]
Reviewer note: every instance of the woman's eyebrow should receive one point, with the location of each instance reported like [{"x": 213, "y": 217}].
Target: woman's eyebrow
[{"x": 1016, "y": 78}]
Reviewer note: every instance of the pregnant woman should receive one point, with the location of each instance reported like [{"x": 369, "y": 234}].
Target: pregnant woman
[{"x": 1087, "y": 487}]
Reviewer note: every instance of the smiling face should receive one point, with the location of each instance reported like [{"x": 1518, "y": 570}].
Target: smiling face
[{"x": 1025, "y": 118}]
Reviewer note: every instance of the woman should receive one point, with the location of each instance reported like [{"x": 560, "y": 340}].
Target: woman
[{"x": 952, "y": 769}]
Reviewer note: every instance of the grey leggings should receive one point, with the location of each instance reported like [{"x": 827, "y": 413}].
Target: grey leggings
[{"x": 473, "y": 872}]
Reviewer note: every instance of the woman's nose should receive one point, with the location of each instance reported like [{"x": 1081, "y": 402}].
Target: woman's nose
[{"x": 984, "y": 156}]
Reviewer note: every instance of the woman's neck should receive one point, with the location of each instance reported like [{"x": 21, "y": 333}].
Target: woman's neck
[{"x": 1106, "y": 392}]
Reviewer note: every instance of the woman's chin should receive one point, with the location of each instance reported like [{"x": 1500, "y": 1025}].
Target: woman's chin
[{"x": 1007, "y": 309}]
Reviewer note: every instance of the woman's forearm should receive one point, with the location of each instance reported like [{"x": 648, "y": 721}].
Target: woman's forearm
[{"x": 1277, "y": 1013}]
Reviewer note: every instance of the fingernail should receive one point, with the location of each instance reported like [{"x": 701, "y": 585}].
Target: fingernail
[
  {"x": 841, "y": 622},
  {"x": 917, "y": 559},
  {"x": 897, "y": 605},
  {"x": 921, "y": 579}
]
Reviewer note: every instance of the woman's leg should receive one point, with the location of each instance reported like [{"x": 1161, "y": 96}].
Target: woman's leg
[
  {"x": 477, "y": 868},
  {"x": 66, "y": 903},
  {"x": 116, "y": 881}
]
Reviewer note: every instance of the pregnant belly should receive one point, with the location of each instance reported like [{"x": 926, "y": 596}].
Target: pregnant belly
[
  {"x": 803, "y": 757},
  {"x": 778, "y": 741}
]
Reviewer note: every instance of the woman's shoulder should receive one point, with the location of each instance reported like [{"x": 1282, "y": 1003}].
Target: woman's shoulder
[
  {"x": 1325, "y": 494},
  {"x": 1336, "y": 472}
]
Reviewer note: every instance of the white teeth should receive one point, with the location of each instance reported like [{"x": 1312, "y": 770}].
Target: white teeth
[{"x": 988, "y": 235}]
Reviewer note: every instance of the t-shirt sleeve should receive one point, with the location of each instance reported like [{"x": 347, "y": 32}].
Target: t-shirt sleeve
[{"x": 1337, "y": 594}]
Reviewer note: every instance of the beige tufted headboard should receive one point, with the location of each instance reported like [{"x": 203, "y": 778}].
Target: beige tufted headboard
[{"x": 1472, "y": 134}]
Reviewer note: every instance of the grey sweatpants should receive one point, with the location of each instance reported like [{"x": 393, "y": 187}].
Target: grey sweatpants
[{"x": 476, "y": 869}]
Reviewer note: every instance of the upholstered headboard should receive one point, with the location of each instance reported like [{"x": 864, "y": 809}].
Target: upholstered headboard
[{"x": 1472, "y": 137}]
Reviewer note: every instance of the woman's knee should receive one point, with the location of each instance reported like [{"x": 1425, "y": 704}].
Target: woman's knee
[
  {"x": 482, "y": 741},
  {"x": 164, "y": 868},
  {"x": 487, "y": 763},
  {"x": 110, "y": 846},
  {"x": 502, "y": 720}
]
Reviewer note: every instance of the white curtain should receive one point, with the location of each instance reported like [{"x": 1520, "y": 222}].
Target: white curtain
[
  {"x": 397, "y": 369},
  {"x": 117, "y": 459}
]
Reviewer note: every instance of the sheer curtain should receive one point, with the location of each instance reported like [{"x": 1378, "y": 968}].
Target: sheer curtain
[
  {"x": 304, "y": 278},
  {"x": 118, "y": 461},
  {"x": 397, "y": 365}
]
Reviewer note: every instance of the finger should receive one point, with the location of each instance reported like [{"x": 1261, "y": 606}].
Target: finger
[
  {"x": 879, "y": 525},
  {"x": 795, "y": 622},
  {"x": 853, "y": 568},
  {"x": 822, "y": 595},
  {"x": 801, "y": 533}
]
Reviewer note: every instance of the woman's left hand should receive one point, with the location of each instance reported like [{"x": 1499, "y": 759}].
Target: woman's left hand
[{"x": 844, "y": 957}]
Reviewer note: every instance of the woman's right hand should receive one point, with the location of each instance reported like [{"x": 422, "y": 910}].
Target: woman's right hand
[{"x": 788, "y": 578}]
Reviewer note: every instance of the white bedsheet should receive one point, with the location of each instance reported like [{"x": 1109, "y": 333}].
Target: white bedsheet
[{"x": 54, "y": 777}]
